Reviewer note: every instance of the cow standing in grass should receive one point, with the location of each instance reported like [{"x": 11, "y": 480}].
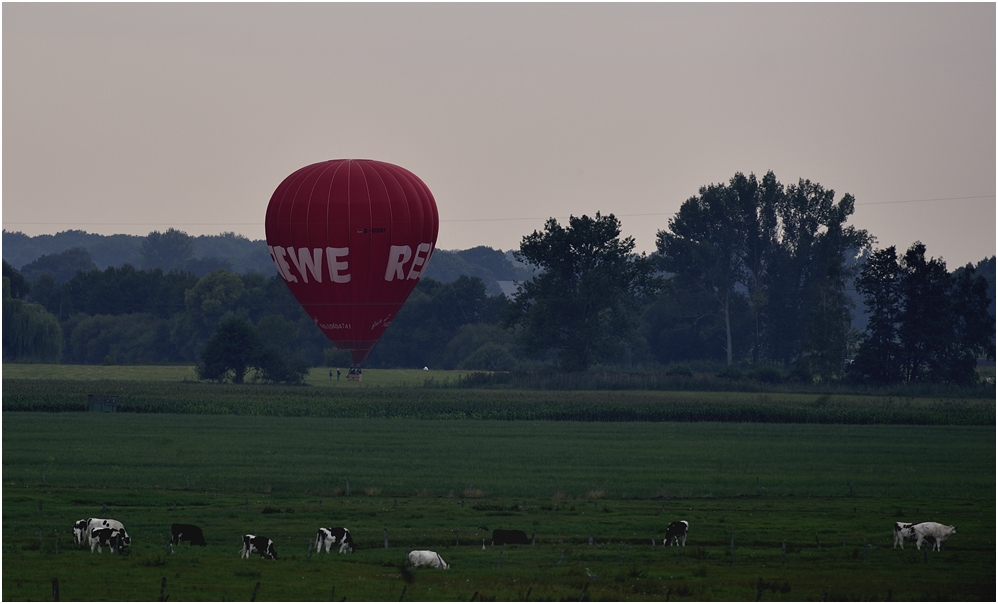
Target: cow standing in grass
[
  {"x": 257, "y": 544},
  {"x": 932, "y": 530},
  {"x": 326, "y": 538},
  {"x": 902, "y": 531},
  {"x": 425, "y": 557},
  {"x": 84, "y": 529},
  {"x": 675, "y": 533},
  {"x": 111, "y": 537},
  {"x": 187, "y": 532}
]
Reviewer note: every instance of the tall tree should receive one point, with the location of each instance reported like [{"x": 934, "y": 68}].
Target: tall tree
[
  {"x": 19, "y": 286},
  {"x": 719, "y": 246},
  {"x": 879, "y": 282},
  {"x": 168, "y": 251},
  {"x": 807, "y": 275},
  {"x": 231, "y": 352},
  {"x": 704, "y": 248},
  {"x": 30, "y": 333},
  {"x": 925, "y": 323},
  {"x": 583, "y": 301}
]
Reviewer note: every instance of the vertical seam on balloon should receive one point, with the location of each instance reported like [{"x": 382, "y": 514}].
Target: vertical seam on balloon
[{"x": 378, "y": 168}]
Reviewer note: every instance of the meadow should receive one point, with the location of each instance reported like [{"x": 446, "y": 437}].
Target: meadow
[{"x": 778, "y": 511}]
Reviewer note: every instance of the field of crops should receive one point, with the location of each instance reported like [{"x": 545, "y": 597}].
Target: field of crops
[
  {"x": 778, "y": 511},
  {"x": 424, "y": 395}
]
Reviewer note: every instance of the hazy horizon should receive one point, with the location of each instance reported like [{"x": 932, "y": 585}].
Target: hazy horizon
[{"x": 130, "y": 118}]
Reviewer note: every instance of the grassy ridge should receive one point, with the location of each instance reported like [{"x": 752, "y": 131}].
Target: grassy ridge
[
  {"x": 418, "y": 394},
  {"x": 135, "y": 396}
]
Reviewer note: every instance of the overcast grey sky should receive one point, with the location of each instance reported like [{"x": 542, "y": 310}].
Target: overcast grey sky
[{"x": 128, "y": 118}]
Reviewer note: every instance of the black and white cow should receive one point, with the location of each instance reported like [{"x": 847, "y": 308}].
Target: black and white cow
[
  {"x": 509, "y": 537},
  {"x": 187, "y": 532},
  {"x": 902, "y": 531},
  {"x": 79, "y": 530},
  {"x": 111, "y": 537},
  {"x": 257, "y": 544},
  {"x": 83, "y": 529},
  {"x": 328, "y": 537},
  {"x": 675, "y": 533},
  {"x": 932, "y": 530}
]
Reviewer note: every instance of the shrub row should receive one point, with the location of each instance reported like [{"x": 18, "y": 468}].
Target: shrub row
[{"x": 682, "y": 378}]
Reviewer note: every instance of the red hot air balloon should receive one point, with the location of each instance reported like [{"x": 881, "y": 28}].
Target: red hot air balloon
[{"x": 351, "y": 238}]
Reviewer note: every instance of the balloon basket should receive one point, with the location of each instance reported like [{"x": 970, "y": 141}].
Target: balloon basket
[{"x": 354, "y": 374}]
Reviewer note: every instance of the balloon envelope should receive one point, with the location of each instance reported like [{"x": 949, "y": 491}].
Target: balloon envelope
[{"x": 351, "y": 238}]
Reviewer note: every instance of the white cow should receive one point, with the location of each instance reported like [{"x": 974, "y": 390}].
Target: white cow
[
  {"x": 934, "y": 530},
  {"x": 424, "y": 557},
  {"x": 902, "y": 531}
]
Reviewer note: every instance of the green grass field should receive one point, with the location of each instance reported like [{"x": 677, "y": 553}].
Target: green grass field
[
  {"x": 829, "y": 492},
  {"x": 434, "y": 483}
]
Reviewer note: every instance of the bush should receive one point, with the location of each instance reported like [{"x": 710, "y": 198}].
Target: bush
[
  {"x": 766, "y": 375},
  {"x": 489, "y": 357},
  {"x": 731, "y": 373},
  {"x": 681, "y": 370}
]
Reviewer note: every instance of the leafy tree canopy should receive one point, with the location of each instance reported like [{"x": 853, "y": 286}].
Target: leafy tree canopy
[
  {"x": 590, "y": 285},
  {"x": 236, "y": 348}
]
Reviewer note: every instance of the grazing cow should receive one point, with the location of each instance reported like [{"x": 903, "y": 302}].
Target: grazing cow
[
  {"x": 79, "y": 530},
  {"x": 111, "y": 537},
  {"x": 82, "y": 532},
  {"x": 328, "y": 537},
  {"x": 501, "y": 537},
  {"x": 932, "y": 530},
  {"x": 257, "y": 544},
  {"x": 187, "y": 532},
  {"x": 424, "y": 557},
  {"x": 902, "y": 531},
  {"x": 675, "y": 533}
]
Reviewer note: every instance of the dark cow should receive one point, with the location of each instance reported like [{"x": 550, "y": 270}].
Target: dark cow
[
  {"x": 111, "y": 537},
  {"x": 187, "y": 532},
  {"x": 328, "y": 537},
  {"x": 503, "y": 537},
  {"x": 675, "y": 533},
  {"x": 256, "y": 544}
]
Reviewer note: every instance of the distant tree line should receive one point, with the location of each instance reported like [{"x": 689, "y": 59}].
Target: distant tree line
[{"x": 749, "y": 273}]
